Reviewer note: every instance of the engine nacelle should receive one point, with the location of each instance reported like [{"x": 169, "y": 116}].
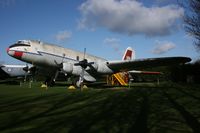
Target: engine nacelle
[
  {"x": 71, "y": 69},
  {"x": 99, "y": 67},
  {"x": 103, "y": 68},
  {"x": 68, "y": 67},
  {"x": 93, "y": 67}
]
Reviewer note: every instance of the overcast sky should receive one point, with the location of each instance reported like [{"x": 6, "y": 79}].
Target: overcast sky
[{"x": 105, "y": 27}]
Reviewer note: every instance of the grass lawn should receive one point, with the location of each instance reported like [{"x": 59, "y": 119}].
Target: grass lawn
[{"x": 144, "y": 108}]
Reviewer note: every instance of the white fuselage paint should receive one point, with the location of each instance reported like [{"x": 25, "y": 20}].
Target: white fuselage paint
[{"x": 47, "y": 55}]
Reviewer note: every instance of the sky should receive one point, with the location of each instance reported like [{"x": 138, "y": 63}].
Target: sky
[{"x": 104, "y": 27}]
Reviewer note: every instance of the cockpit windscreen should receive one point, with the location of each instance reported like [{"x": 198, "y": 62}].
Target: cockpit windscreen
[{"x": 20, "y": 43}]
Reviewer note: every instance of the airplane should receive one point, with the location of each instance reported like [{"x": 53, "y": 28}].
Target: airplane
[
  {"x": 24, "y": 72},
  {"x": 80, "y": 66},
  {"x": 13, "y": 71}
]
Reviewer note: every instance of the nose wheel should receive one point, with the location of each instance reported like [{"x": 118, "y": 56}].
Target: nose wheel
[{"x": 49, "y": 82}]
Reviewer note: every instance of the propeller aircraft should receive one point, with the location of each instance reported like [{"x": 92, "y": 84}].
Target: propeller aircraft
[{"x": 53, "y": 59}]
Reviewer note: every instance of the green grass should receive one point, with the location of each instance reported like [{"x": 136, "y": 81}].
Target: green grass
[{"x": 167, "y": 108}]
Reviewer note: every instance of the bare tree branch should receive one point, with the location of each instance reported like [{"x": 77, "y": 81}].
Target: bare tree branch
[{"x": 192, "y": 19}]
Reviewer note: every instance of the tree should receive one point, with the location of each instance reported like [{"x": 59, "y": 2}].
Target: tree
[{"x": 192, "y": 19}]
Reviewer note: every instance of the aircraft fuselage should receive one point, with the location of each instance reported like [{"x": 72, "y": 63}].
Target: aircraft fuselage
[{"x": 48, "y": 55}]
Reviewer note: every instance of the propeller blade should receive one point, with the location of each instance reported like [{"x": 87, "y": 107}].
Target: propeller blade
[
  {"x": 59, "y": 65},
  {"x": 63, "y": 58},
  {"x": 56, "y": 75},
  {"x": 33, "y": 70},
  {"x": 26, "y": 72},
  {"x": 81, "y": 79},
  {"x": 29, "y": 70},
  {"x": 26, "y": 68},
  {"x": 2, "y": 66}
]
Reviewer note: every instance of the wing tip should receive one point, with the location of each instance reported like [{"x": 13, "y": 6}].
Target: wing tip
[{"x": 186, "y": 59}]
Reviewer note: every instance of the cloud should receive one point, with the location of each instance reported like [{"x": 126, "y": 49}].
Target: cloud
[
  {"x": 163, "y": 47},
  {"x": 6, "y": 3},
  {"x": 63, "y": 35},
  {"x": 111, "y": 41},
  {"x": 129, "y": 17},
  {"x": 114, "y": 43}
]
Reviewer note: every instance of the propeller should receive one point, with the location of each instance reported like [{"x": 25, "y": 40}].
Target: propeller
[
  {"x": 2, "y": 66},
  {"x": 84, "y": 64},
  {"x": 26, "y": 69},
  {"x": 60, "y": 65},
  {"x": 59, "y": 68},
  {"x": 29, "y": 70}
]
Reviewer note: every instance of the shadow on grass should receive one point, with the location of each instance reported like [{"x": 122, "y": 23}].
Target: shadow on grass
[
  {"x": 141, "y": 109},
  {"x": 187, "y": 93},
  {"x": 106, "y": 111},
  {"x": 10, "y": 82},
  {"x": 189, "y": 118}
]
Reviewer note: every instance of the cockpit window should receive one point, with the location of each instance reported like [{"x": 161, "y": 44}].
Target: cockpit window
[{"x": 18, "y": 44}]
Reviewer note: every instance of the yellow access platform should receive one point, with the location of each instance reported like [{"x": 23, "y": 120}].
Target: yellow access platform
[{"x": 121, "y": 78}]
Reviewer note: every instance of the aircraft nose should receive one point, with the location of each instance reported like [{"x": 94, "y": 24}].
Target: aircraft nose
[
  {"x": 14, "y": 53},
  {"x": 7, "y": 50},
  {"x": 11, "y": 53}
]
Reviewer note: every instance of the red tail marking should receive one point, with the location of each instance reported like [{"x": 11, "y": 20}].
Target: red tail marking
[{"x": 128, "y": 55}]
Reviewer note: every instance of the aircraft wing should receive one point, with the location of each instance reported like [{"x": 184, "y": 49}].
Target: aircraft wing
[
  {"x": 3, "y": 74},
  {"x": 129, "y": 65}
]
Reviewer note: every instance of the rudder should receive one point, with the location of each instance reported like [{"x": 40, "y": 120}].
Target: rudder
[{"x": 129, "y": 54}]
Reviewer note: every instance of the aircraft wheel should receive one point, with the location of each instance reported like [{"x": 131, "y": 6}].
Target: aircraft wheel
[
  {"x": 49, "y": 82},
  {"x": 77, "y": 83}
]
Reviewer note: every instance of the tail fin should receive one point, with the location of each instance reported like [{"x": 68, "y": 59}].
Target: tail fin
[{"x": 129, "y": 54}]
